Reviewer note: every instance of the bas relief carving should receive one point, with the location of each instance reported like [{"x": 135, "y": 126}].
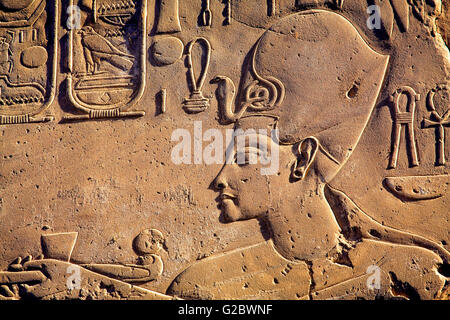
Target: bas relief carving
[
  {"x": 294, "y": 205},
  {"x": 28, "y": 62},
  {"x": 107, "y": 59},
  {"x": 357, "y": 207}
]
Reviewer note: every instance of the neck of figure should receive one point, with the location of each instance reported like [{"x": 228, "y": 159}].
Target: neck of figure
[{"x": 304, "y": 227}]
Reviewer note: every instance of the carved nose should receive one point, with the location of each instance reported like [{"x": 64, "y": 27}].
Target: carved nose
[{"x": 220, "y": 183}]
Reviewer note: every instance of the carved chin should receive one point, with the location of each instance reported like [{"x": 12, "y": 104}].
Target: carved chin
[{"x": 230, "y": 212}]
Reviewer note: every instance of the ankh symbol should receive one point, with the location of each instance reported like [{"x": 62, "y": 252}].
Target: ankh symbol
[{"x": 438, "y": 122}]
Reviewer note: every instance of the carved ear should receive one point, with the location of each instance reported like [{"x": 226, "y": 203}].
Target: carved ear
[{"x": 307, "y": 150}]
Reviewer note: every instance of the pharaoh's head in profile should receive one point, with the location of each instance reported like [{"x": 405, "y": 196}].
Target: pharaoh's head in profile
[{"x": 314, "y": 79}]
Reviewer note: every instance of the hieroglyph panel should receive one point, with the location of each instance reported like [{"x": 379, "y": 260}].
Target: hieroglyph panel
[
  {"x": 28, "y": 62},
  {"x": 107, "y": 58}
]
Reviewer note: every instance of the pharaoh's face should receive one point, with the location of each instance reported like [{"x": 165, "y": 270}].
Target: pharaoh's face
[{"x": 246, "y": 193}]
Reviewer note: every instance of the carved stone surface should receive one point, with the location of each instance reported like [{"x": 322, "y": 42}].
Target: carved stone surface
[
  {"x": 28, "y": 62},
  {"x": 281, "y": 149}
]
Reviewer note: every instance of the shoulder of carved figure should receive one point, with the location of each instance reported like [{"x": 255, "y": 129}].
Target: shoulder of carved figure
[{"x": 256, "y": 266}]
